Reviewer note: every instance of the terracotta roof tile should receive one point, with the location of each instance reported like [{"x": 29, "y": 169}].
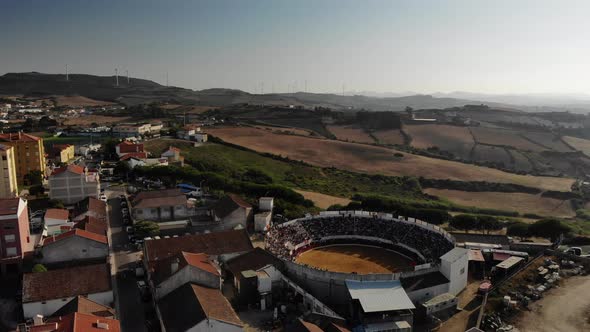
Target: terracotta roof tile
[
  {"x": 136, "y": 155},
  {"x": 57, "y": 284},
  {"x": 84, "y": 305},
  {"x": 18, "y": 137},
  {"x": 152, "y": 199},
  {"x": 76, "y": 232},
  {"x": 9, "y": 205},
  {"x": 229, "y": 204},
  {"x": 70, "y": 168},
  {"x": 252, "y": 260},
  {"x": 61, "y": 214}
]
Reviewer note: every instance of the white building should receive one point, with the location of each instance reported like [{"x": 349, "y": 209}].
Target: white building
[
  {"x": 46, "y": 292},
  {"x": 72, "y": 246},
  {"x": 162, "y": 205},
  {"x": 232, "y": 211},
  {"x": 72, "y": 183},
  {"x": 262, "y": 221},
  {"x": 57, "y": 221},
  {"x": 453, "y": 265},
  {"x": 132, "y": 130}
]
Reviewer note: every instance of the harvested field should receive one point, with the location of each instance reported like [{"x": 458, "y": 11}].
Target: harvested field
[
  {"x": 286, "y": 130},
  {"x": 375, "y": 160},
  {"x": 392, "y": 137},
  {"x": 354, "y": 258},
  {"x": 492, "y": 154},
  {"x": 579, "y": 144},
  {"x": 323, "y": 201},
  {"x": 521, "y": 162},
  {"x": 76, "y": 101},
  {"x": 520, "y": 202},
  {"x": 548, "y": 140},
  {"x": 99, "y": 119},
  {"x": 351, "y": 134},
  {"x": 454, "y": 139},
  {"x": 504, "y": 137}
]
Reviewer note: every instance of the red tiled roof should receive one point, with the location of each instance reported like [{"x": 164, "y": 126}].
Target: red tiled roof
[
  {"x": 61, "y": 214},
  {"x": 128, "y": 147},
  {"x": 229, "y": 204},
  {"x": 70, "y": 168},
  {"x": 57, "y": 284},
  {"x": 9, "y": 205},
  {"x": 76, "y": 232},
  {"x": 200, "y": 261},
  {"x": 84, "y": 305},
  {"x": 215, "y": 305},
  {"x": 92, "y": 205},
  {"x": 77, "y": 322},
  {"x": 93, "y": 225},
  {"x": 310, "y": 327},
  {"x": 169, "y": 197},
  {"x": 136, "y": 155},
  {"x": 172, "y": 148},
  {"x": 18, "y": 137},
  {"x": 216, "y": 243}
]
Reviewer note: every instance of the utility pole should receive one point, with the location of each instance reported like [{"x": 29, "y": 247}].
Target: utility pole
[
  {"x": 127, "y": 77},
  {"x": 67, "y": 73},
  {"x": 117, "y": 76}
]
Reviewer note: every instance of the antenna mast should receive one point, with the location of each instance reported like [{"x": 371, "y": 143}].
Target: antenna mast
[
  {"x": 166, "y": 78},
  {"x": 127, "y": 77},
  {"x": 117, "y": 76},
  {"x": 67, "y": 73}
]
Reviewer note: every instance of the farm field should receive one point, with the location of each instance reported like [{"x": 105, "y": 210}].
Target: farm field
[
  {"x": 76, "y": 101},
  {"x": 323, "y": 201},
  {"x": 391, "y": 137},
  {"x": 579, "y": 144},
  {"x": 547, "y": 140},
  {"x": 375, "y": 160},
  {"x": 288, "y": 130},
  {"x": 354, "y": 258},
  {"x": 454, "y": 139},
  {"x": 520, "y": 202},
  {"x": 350, "y": 134},
  {"x": 504, "y": 137},
  {"x": 492, "y": 154}
]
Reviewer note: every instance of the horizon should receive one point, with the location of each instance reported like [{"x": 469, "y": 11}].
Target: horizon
[{"x": 278, "y": 46}]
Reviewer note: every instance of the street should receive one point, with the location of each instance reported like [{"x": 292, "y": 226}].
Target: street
[{"x": 130, "y": 309}]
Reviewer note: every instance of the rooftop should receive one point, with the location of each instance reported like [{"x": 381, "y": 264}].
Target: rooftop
[
  {"x": 427, "y": 280},
  {"x": 229, "y": 204},
  {"x": 18, "y": 137},
  {"x": 377, "y": 296},
  {"x": 70, "y": 168},
  {"x": 216, "y": 243},
  {"x": 153, "y": 199},
  {"x": 201, "y": 261},
  {"x": 510, "y": 262},
  {"x": 84, "y": 305},
  {"x": 252, "y": 260},
  {"x": 9, "y": 205},
  {"x": 61, "y": 214},
  {"x": 190, "y": 304},
  {"x": 440, "y": 298},
  {"x": 67, "y": 282},
  {"x": 481, "y": 238},
  {"x": 76, "y": 232},
  {"x": 78, "y": 322},
  {"x": 454, "y": 255}
]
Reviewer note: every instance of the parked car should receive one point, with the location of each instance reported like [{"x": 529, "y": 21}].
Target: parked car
[
  {"x": 123, "y": 204},
  {"x": 103, "y": 197}
]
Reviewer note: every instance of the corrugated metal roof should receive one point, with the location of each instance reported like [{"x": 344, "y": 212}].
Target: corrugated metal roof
[
  {"x": 454, "y": 254},
  {"x": 510, "y": 262},
  {"x": 440, "y": 298},
  {"x": 376, "y": 296},
  {"x": 476, "y": 255}
]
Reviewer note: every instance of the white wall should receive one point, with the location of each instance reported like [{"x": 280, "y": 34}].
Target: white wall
[
  {"x": 456, "y": 272},
  {"x": 187, "y": 274},
  {"x": 72, "y": 249},
  {"x": 425, "y": 294},
  {"x": 237, "y": 217},
  {"x": 48, "y": 307}
]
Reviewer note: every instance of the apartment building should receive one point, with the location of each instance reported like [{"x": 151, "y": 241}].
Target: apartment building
[
  {"x": 8, "y": 179},
  {"x": 29, "y": 153},
  {"x": 15, "y": 238},
  {"x": 71, "y": 184}
]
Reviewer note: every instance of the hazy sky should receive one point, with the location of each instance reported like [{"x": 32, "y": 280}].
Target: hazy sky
[{"x": 424, "y": 46}]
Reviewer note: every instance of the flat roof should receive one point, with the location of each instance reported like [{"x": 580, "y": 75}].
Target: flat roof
[
  {"x": 440, "y": 298},
  {"x": 476, "y": 255},
  {"x": 454, "y": 255},
  {"x": 376, "y": 296},
  {"x": 510, "y": 262}
]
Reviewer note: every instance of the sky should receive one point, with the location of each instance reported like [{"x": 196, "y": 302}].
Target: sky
[{"x": 496, "y": 47}]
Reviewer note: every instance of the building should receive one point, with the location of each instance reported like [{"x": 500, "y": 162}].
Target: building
[
  {"x": 163, "y": 205},
  {"x": 8, "y": 177},
  {"x": 44, "y": 293},
  {"x": 441, "y": 305},
  {"x": 74, "y": 246},
  {"x": 83, "y": 305},
  {"x": 57, "y": 221},
  {"x": 15, "y": 238},
  {"x": 71, "y": 184},
  {"x": 219, "y": 246},
  {"x": 126, "y": 147},
  {"x": 232, "y": 211},
  {"x": 173, "y": 156},
  {"x": 182, "y": 268},
  {"x": 29, "y": 153},
  {"x": 380, "y": 305},
  {"x": 90, "y": 207},
  {"x": 86, "y": 149},
  {"x": 138, "y": 130},
  {"x": 453, "y": 265},
  {"x": 92, "y": 225},
  {"x": 73, "y": 322},
  {"x": 262, "y": 221},
  {"x": 63, "y": 153},
  {"x": 266, "y": 203},
  {"x": 192, "y": 307}
]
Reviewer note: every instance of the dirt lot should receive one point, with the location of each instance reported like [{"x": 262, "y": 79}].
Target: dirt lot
[
  {"x": 351, "y": 134},
  {"x": 372, "y": 159},
  {"x": 393, "y": 136},
  {"x": 323, "y": 201},
  {"x": 457, "y": 140},
  {"x": 76, "y": 101},
  {"x": 521, "y": 202},
  {"x": 353, "y": 258},
  {"x": 100, "y": 119},
  {"x": 579, "y": 144},
  {"x": 566, "y": 308},
  {"x": 504, "y": 137}
]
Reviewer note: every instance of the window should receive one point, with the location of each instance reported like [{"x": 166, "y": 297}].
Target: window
[
  {"x": 3, "y": 157},
  {"x": 9, "y": 238},
  {"x": 9, "y": 225},
  {"x": 11, "y": 251},
  {"x": 153, "y": 211},
  {"x": 462, "y": 271}
]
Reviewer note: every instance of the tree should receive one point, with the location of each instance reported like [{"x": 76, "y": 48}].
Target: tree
[
  {"x": 146, "y": 228},
  {"x": 550, "y": 228},
  {"x": 34, "y": 177},
  {"x": 489, "y": 223},
  {"x": 122, "y": 168},
  {"x": 518, "y": 229},
  {"x": 110, "y": 150},
  {"x": 46, "y": 121},
  {"x": 39, "y": 268},
  {"x": 464, "y": 222},
  {"x": 37, "y": 190}
]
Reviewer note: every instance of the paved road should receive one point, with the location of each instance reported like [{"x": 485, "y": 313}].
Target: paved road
[{"x": 130, "y": 308}]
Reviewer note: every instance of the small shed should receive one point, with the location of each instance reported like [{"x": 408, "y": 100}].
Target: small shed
[
  {"x": 440, "y": 305},
  {"x": 266, "y": 203}
]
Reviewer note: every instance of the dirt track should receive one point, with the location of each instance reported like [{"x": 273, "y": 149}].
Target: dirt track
[{"x": 566, "y": 308}]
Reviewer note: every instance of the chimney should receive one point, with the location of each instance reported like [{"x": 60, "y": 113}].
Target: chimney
[
  {"x": 174, "y": 266},
  {"x": 38, "y": 320}
]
